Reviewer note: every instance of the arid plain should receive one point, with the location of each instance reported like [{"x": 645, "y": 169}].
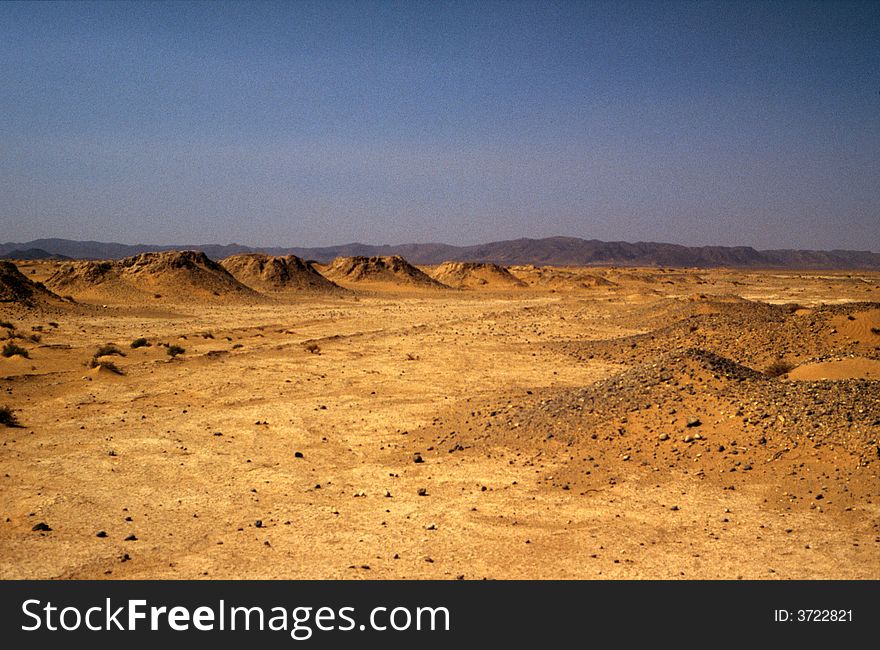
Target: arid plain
[{"x": 368, "y": 419}]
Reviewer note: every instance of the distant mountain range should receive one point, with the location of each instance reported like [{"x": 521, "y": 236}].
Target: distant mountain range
[
  {"x": 551, "y": 251},
  {"x": 33, "y": 254}
]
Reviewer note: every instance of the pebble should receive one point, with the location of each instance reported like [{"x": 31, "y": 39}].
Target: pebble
[{"x": 42, "y": 526}]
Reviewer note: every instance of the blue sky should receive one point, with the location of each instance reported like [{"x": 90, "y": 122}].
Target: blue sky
[{"x": 304, "y": 124}]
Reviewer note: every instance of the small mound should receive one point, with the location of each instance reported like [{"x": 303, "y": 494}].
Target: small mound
[
  {"x": 857, "y": 324},
  {"x": 178, "y": 275},
  {"x": 690, "y": 410},
  {"x": 837, "y": 369},
  {"x": 392, "y": 270},
  {"x": 271, "y": 273},
  {"x": 17, "y": 288},
  {"x": 765, "y": 333},
  {"x": 472, "y": 275}
]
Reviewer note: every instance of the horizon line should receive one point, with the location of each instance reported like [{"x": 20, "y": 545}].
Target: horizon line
[{"x": 191, "y": 245}]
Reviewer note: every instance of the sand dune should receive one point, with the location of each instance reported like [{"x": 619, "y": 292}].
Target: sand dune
[
  {"x": 172, "y": 275},
  {"x": 547, "y": 277},
  {"x": 475, "y": 275},
  {"x": 18, "y": 288},
  {"x": 382, "y": 271},
  {"x": 277, "y": 274},
  {"x": 837, "y": 369}
]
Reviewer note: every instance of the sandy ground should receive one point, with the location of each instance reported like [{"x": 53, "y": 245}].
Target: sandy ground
[{"x": 251, "y": 456}]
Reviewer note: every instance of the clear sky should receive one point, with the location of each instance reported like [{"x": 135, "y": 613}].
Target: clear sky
[{"x": 308, "y": 124}]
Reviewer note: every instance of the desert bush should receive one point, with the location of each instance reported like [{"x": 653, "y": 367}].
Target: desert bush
[
  {"x": 174, "y": 350},
  {"x": 53, "y": 324},
  {"x": 107, "y": 365},
  {"x": 412, "y": 357},
  {"x": 11, "y": 350},
  {"x": 312, "y": 347},
  {"x": 36, "y": 338},
  {"x": 140, "y": 343},
  {"x": 875, "y": 330},
  {"x": 107, "y": 350},
  {"x": 207, "y": 335},
  {"x": 778, "y": 368},
  {"x": 7, "y": 325},
  {"x": 7, "y": 417}
]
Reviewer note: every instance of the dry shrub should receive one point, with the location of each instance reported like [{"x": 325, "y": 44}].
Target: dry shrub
[
  {"x": 11, "y": 350},
  {"x": 107, "y": 350},
  {"x": 106, "y": 365},
  {"x": 778, "y": 368},
  {"x": 7, "y": 417}
]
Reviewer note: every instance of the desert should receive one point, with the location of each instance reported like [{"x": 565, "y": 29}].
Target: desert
[{"x": 168, "y": 415}]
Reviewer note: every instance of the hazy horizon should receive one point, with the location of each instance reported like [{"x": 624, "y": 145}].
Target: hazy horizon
[{"x": 315, "y": 124}]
